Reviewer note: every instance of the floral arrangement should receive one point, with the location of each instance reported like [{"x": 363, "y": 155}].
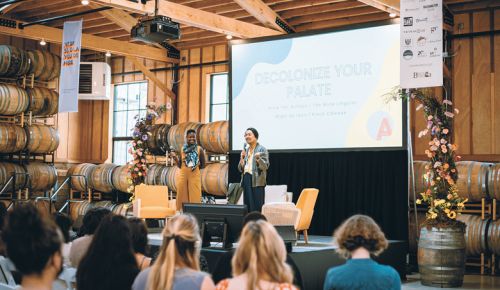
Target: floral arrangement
[
  {"x": 441, "y": 197},
  {"x": 142, "y": 131}
]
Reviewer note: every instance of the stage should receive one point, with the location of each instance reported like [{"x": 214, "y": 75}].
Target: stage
[{"x": 311, "y": 262}]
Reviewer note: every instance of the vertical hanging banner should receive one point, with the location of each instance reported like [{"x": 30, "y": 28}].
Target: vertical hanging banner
[
  {"x": 421, "y": 43},
  {"x": 70, "y": 66}
]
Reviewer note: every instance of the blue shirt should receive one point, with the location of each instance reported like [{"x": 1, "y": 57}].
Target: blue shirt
[
  {"x": 358, "y": 274},
  {"x": 184, "y": 279}
]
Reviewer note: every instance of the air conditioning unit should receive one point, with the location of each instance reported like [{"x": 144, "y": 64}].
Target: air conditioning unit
[{"x": 95, "y": 81}]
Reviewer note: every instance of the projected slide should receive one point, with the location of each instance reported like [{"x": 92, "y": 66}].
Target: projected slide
[{"x": 323, "y": 91}]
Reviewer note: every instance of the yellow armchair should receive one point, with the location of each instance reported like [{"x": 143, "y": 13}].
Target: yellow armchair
[
  {"x": 152, "y": 202},
  {"x": 306, "y": 203}
]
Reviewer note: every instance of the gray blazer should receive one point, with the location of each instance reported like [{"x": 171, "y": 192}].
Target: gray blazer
[{"x": 259, "y": 169}]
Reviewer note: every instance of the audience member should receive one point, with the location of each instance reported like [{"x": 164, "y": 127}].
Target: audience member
[
  {"x": 358, "y": 238},
  {"x": 33, "y": 244},
  {"x": 177, "y": 266},
  {"x": 109, "y": 263},
  {"x": 140, "y": 242},
  {"x": 259, "y": 261},
  {"x": 64, "y": 223},
  {"x": 79, "y": 246}
]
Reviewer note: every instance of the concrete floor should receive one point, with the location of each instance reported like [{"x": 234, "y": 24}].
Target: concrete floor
[{"x": 470, "y": 282}]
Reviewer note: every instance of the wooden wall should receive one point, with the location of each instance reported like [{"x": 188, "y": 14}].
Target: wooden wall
[
  {"x": 475, "y": 88},
  {"x": 83, "y": 136},
  {"x": 193, "y": 87}
]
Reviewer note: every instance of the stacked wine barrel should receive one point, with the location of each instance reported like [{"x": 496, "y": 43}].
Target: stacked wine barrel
[
  {"x": 37, "y": 176},
  {"x": 476, "y": 181},
  {"x": 79, "y": 209}
]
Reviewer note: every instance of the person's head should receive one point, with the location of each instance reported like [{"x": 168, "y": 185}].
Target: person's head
[
  {"x": 252, "y": 217},
  {"x": 33, "y": 243},
  {"x": 63, "y": 221},
  {"x": 360, "y": 231},
  {"x": 191, "y": 137},
  {"x": 261, "y": 250},
  {"x": 109, "y": 255},
  {"x": 181, "y": 238},
  {"x": 92, "y": 219},
  {"x": 139, "y": 232},
  {"x": 251, "y": 135}
]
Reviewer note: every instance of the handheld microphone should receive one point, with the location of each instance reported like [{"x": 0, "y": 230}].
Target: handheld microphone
[{"x": 245, "y": 146}]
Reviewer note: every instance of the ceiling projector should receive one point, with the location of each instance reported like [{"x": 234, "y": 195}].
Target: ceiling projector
[{"x": 156, "y": 29}]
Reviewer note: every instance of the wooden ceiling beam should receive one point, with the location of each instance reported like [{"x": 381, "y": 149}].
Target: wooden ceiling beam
[
  {"x": 265, "y": 15},
  {"x": 389, "y": 6},
  {"x": 195, "y": 17},
  {"x": 342, "y": 21},
  {"x": 334, "y": 15},
  {"x": 96, "y": 43},
  {"x": 52, "y": 10},
  {"x": 322, "y": 8},
  {"x": 9, "y": 8},
  {"x": 102, "y": 29},
  {"x": 37, "y": 4}
]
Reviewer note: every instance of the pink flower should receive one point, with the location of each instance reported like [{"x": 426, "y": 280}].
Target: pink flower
[
  {"x": 434, "y": 148},
  {"x": 429, "y": 124},
  {"x": 143, "y": 160},
  {"x": 449, "y": 114},
  {"x": 447, "y": 102},
  {"x": 422, "y": 133},
  {"x": 419, "y": 107},
  {"x": 443, "y": 141},
  {"x": 430, "y": 117},
  {"x": 136, "y": 169},
  {"x": 139, "y": 153},
  {"x": 437, "y": 164},
  {"x": 444, "y": 149},
  {"x": 134, "y": 156},
  {"x": 445, "y": 131}
]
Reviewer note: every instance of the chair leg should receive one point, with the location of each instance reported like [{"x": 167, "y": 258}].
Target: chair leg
[{"x": 306, "y": 238}]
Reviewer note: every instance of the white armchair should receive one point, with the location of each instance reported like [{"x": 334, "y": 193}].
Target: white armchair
[{"x": 273, "y": 193}]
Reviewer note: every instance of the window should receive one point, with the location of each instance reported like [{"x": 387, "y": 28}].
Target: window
[
  {"x": 129, "y": 101},
  {"x": 219, "y": 97}
]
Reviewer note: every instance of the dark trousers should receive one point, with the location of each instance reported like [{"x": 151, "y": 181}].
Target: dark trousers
[{"x": 253, "y": 197}]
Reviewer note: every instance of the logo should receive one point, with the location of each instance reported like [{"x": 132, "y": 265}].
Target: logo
[
  {"x": 407, "y": 54},
  {"x": 408, "y": 21},
  {"x": 408, "y": 41},
  {"x": 413, "y": 31},
  {"x": 434, "y": 29},
  {"x": 421, "y": 53},
  {"x": 411, "y": 9},
  {"x": 421, "y": 40},
  {"x": 418, "y": 20},
  {"x": 431, "y": 6},
  {"x": 418, "y": 75}
]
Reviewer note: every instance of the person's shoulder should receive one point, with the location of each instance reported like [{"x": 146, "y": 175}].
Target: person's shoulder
[
  {"x": 389, "y": 270},
  {"x": 141, "y": 280},
  {"x": 262, "y": 148}
]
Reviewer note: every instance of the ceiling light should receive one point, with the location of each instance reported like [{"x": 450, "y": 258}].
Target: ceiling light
[
  {"x": 108, "y": 53},
  {"x": 229, "y": 36},
  {"x": 85, "y": 2},
  {"x": 392, "y": 15},
  {"x": 42, "y": 42}
]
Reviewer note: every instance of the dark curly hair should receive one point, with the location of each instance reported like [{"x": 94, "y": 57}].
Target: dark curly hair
[
  {"x": 139, "y": 232},
  {"x": 360, "y": 231},
  {"x": 92, "y": 219},
  {"x": 31, "y": 240}
]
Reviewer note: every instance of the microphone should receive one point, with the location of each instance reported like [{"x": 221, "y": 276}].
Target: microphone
[{"x": 245, "y": 146}]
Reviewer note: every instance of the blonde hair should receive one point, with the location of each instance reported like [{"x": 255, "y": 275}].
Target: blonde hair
[
  {"x": 180, "y": 236},
  {"x": 360, "y": 231},
  {"x": 261, "y": 250}
]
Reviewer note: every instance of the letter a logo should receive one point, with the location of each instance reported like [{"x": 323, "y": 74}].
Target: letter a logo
[{"x": 384, "y": 129}]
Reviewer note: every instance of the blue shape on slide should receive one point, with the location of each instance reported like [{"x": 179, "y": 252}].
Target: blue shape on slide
[{"x": 245, "y": 56}]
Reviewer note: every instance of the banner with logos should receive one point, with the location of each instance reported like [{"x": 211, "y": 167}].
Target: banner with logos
[
  {"x": 421, "y": 43},
  {"x": 70, "y": 66}
]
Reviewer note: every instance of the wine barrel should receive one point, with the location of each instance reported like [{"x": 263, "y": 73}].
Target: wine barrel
[
  {"x": 494, "y": 237},
  {"x": 81, "y": 183},
  {"x": 169, "y": 177},
  {"x": 214, "y": 137},
  {"x": 79, "y": 209},
  {"x": 42, "y": 101},
  {"x": 472, "y": 179},
  {"x": 13, "y": 61},
  {"x": 108, "y": 204},
  {"x": 12, "y": 138},
  {"x": 13, "y": 100},
  {"x": 157, "y": 142},
  {"x": 42, "y": 138},
  {"x": 441, "y": 257},
  {"x": 153, "y": 176},
  {"x": 475, "y": 234},
  {"x": 123, "y": 209},
  {"x": 421, "y": 183},
  {"x": 177, "y": 134},
  {"x": 494, "y": 181},
  {"x": 45, "y": 66},
  {"x": 214, "y": 179},
  {"x": 42, "y": 176},
  {"x": 120, "y": 178},
  {"x": 6, "y": 171},
  {"x": 101, "y": 177},
  {"x": 414, "y": 232}
]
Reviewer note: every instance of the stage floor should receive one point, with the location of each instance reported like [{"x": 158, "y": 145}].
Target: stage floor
[{"x": 313, "y": 260}]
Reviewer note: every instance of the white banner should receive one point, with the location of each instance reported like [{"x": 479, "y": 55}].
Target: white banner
[
  {"x": 421, "y": 43},
  {"x": 70, "y": 66}
]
